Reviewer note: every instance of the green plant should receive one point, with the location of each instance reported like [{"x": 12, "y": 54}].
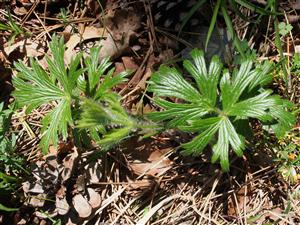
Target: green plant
[
  {"x": 10, "y": 164},
  {"x": 64, "y": 16},
  {"x": 223, "y": 6},
  {"x": 7, "y": 142},
  {"x": 53, "y": 221},
  {"x": 218, "y": 104},
  {"x": 12, "y": 27},
  {"x": 73, "y": 91},
  {"x": 296, "y": 63},
  {"x": 284, "y": 28},
  {"x": 288, "y": 157},
  {"x": 110, "y": 121}
]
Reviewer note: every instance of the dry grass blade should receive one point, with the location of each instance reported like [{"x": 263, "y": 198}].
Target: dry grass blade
[{"x": 153, "y": 210}]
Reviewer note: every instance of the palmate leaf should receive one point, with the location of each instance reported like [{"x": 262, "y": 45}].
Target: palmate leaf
[
  {"x": 35, "y": 87},
  {"x": 220, "y": 106},
  {"x": 232, "y": 88},
  {"x": 56, "y": 122},
  {"x": 114, "y": 137},
  {"x": 261, "y": 75},
  {"x": 285, "y": 120},
  {"x": 109, "y": 82},
  {"x": 64, "y": 87}
]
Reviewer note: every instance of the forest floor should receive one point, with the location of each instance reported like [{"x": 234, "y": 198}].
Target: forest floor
[{"x": 144, "y": 181}]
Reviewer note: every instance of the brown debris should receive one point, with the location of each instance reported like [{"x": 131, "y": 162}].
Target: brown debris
[
  {"x": 141, "y": 181},
  {"x": 82, "y": 206},
  {"x": 94, "y": 198}
]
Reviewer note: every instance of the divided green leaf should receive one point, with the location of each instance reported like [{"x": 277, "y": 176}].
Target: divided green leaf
[
  {"x": 216, "y": 102},
  {"x": 70, "y": 90},
  {"x": 36, "y": 86}
]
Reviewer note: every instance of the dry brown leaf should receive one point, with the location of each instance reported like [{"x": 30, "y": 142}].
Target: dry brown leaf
[
  {"x": 124, "y": 20},
  {"x": 82, "y": 206},
  {"x": 151, "y": 164},
  {"x": 61, "y": 193},
  {"x": 20, "y": 11},
  {"x": 297, "y": 49},
  {"x": 43, "y": 222},
  {"x": 88, "y": 33},
  {"x": 94, "y": 198},
  {"x": 242, "y": 200},
  {"x": 129, "y": 63},
  {"x": 119, "y": 67},
  {"x": 111, "y": 48},
  {"x": 139, "y": 184},
  {"x": 122, "y": 26},
  {"x": 51, "y": 162},
  {"x": 293, "y": 18},
  {"x": 62, "y": 206},
  {"x": 22, "y": 222},
  {"x": 80, "y": 183},
  {"x": 166, "y": 55},
  {"x": 32, "y": 49},
  {"x": 142, "y": 83}
]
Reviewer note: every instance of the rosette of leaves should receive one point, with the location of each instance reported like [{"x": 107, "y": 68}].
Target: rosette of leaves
[
  {"x": 218, "y": 106},
  {"x": 67, "y": 87}
]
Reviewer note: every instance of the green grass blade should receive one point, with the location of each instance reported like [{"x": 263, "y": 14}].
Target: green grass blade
[
  {"x": 4, "y": 27},
  {"x": 7, "y": 209},
  {"x": 212, "y": 23},
  {"x": 230, "y": 28}
]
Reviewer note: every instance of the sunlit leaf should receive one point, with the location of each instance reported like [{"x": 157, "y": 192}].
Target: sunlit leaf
[
  {"x": 36, "y": 87},
  {"x": 169, "y": 82},
  {"x": 224, "y": 104}
]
